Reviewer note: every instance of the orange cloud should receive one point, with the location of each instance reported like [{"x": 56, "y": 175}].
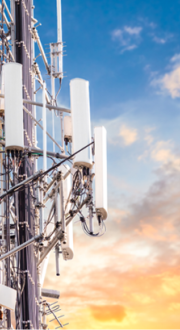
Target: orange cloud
[
  {"x": 129, "y": 135},
  {"x": 130, "y": 277},
  {"x": 108, "y": 313},
  {"x": 162, "y": 152}
]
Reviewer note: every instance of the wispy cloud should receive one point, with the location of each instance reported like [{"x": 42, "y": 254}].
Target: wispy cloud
[
  {"x": 169, "y": 83},
  {"x": 163, "y": 153},
  {"x": 133, "y": 31},
  {"x": 129, "y": 135},
  {"x": 159, "y": 40},
  {"x": 145, "y": 259},
  {"x": 128, "y": 48},
  {"x": 128, "y": 37},
  {"x": 119, "y": 131},
  {"x": 161, "y": 37}
]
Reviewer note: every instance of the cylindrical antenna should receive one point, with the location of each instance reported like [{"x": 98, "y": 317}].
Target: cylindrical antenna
[
  {"x": 59, "y": 39},
  {"x": 59, "y": 21}
]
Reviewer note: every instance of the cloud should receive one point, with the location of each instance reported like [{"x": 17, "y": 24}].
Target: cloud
[
  {"x": 128, "y": 48},
  {"x": 128, "y": 37},
  {"x": 162, "y": 152},
  {"x": 152, "y": 25},
  {"x": 129, "y": 135},
  {"x": 159, "y": 40},
  {"x": 133, "y": 31},
  {"x": 119, "y": 132},
  {"x": 116, "y": 214},
  {"x": 176, "y": 59},
  {"x": 169, "y": 83},
  {"x": 149, "y": 139},
  {"x": 138, "y": 270},
  {"x": 108, "y": 313},
  {"x": 156, "y": 215}
]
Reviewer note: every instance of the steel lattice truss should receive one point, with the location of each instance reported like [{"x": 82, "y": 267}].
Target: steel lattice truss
[{"x": 27, "y": 233}]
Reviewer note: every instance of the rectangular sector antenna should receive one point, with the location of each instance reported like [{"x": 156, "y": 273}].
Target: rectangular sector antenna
[
  {"x": 13, "y": 106},
  {"x": 101, "y": 171},
  {"x": 81, "y": 125},
  {"x": 7, "y": 297}
]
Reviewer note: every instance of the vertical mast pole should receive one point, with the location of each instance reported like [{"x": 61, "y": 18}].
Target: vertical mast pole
[
  {"x": 13, "y": 28},
  {"x": 59, "y": 21},
  {"x": 52, "y": 93},
  {"x": 60, "y": 47},
  {"x": 59, "y": 38},
  {"x": 8, "y": 271},
  {"x": 44, "y": 129}
]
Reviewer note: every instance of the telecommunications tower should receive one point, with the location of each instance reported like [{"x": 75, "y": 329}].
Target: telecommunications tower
[{"x": 65, "y": 189}]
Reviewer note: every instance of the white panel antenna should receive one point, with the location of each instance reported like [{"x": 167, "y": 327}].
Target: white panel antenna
[
  {"x": 80, "y": 108},
  {"x": 7, "y": 297},
  {"x": 13, "y": 106},
  {"x": 101, "y": 171}
]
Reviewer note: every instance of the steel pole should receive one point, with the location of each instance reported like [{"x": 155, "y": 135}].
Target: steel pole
[{"x": 20, "y": 247}]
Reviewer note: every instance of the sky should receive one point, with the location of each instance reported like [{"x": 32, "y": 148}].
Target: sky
[{"x": 129, "y": 51}]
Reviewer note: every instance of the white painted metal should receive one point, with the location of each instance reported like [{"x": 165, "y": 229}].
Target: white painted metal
[
  {"x": 10, "y": 16},
  {"x": 60, "y": 50},
  {"x": 49, "y": 293},
  {"x": 1, "y": 272},
  {"x": 12, "y": 3},
  {"x": 68, "y": 128},
  {"x": 13, "y": 106},
  {"x": 44, "y": 155},
  {"x": 53, "y": 130},
  {"x": 101, "y": 171},
  {"x": 36, "y": 37},
  {"x": 59, "y": 38},
  {"x": 59, "y": 21},
  {"x": 53, "y": 94},
  {"x": 44, "y": 129},
  {"x": 34, "y": 83},
  {"x": 7, "y": 297},
  {"x": 2, "y": 89},
  {"x": 67, "y": 249},
  {"x": 62, "y": 129},
  {"x": 48, "y": 106},
  {"x": 57, "y": 64},
  {"x": 81, "y": 127}
]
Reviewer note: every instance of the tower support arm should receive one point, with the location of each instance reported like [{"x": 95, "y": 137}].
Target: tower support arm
[
  {"x": 19, "y": 185},
  {"x": 20, "y": 247},
  {"x": 37, "y": 39}
]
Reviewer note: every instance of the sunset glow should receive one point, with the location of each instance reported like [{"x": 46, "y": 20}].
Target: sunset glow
[{"x": 129, "y": 51}]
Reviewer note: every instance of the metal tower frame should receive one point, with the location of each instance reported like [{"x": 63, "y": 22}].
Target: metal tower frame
[{"x": 27, "y": 234}]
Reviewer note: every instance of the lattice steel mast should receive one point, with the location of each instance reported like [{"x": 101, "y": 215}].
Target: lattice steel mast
[{"x": 27, "y": 233}]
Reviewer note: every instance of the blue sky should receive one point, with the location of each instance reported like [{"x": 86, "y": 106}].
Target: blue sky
[
  {"x": 130, "y": 53},
  {"x": 96, "y": 52},
  {"x": 124, "y": 49}
]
